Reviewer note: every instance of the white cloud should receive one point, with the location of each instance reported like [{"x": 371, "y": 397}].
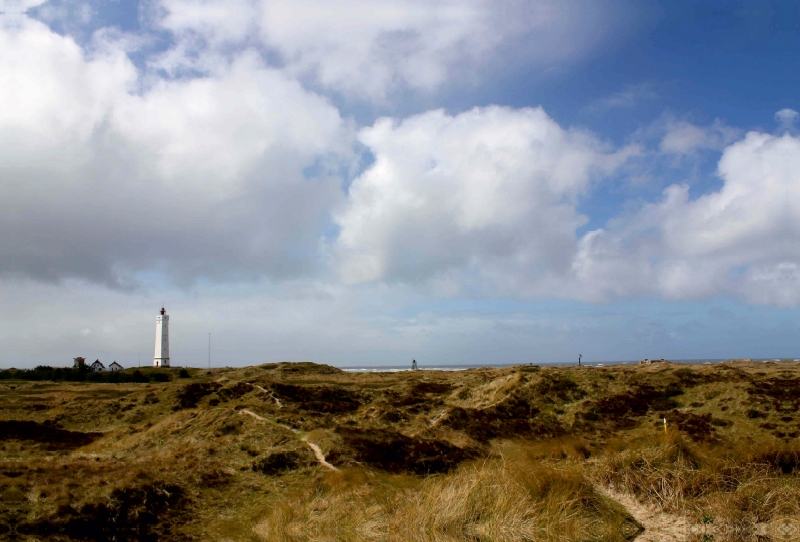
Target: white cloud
[
  {"x": 488, "y": 199},
  {"x": 19, "y": 6},
  {"x": 190, "y": 177},
  {"x": 113, "y": 175},
  {"x": 229, "y": 167},
  {"x": 740, "y": 240},
  {"x": 685, "y": 138},
  {"x": 371, "y": 48},
  {"x": 491, "y": 191},
  {"x": 218, "y": 22}
]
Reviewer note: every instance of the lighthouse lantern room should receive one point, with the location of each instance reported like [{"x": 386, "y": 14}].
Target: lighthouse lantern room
[{"x": 161, "y": 358}]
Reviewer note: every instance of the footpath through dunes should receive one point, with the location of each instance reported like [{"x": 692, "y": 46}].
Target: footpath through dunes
[
  {"x": 314, "y": 448},
  {"x": 299, "y": 451},
  {"x": 654, "y": 524}
]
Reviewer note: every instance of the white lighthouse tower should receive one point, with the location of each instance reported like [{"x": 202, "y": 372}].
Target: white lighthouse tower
[{"x": 161, "y": 358}]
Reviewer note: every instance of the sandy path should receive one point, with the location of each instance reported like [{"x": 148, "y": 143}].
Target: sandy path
[
  {"x": 658, "y": 526},
  {"x": 432, "y": 423},
  {"x": 277, "y": 401},
  {"x": 318, "y": 454},
  {"x": 263, "y": 419},
  {"x": 314, "y": 448}
]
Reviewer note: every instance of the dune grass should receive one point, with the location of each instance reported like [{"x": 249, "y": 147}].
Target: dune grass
[
  {"x": 741, "y": 489},
  {"x": 490, "y": 454},
  {"x": 491, "y": 500}
]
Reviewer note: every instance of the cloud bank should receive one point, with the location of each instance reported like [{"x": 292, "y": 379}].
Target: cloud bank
[
  {"x": 490, "y": 193},
  {"x": 371, "y": 49},
  {"x": 190, "y": 177},
  {"x": 223, "y": 157},
  {"x": 488, "y": 198}
]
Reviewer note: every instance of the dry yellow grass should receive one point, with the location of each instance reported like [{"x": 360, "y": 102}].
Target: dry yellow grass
[
  {"x": 493, "y": 454},
  {"x": 492, "y": 500},
  {"x": 734, "y": 493}
]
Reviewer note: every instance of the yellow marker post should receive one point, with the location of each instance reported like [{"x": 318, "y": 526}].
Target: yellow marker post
[{"x": 665, "y": 425}]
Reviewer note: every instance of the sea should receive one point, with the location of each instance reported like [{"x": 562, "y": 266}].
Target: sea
[{"x": 422, "y": 367}]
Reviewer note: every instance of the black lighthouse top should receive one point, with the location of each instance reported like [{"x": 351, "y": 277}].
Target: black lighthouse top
[{"x": 163, "y": 311}]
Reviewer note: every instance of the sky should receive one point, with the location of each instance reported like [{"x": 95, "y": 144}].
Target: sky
[{"x": 363, "y": 182}]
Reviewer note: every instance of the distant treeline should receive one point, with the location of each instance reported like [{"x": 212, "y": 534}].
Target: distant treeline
[{"x": 84, "y": 374}]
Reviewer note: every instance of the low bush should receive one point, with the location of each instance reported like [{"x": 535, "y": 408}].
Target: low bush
[
  {"x": 158, "y": 376},
  {"x": 84, "y": 374},
  {"x": 394, "y": 452},
  {"x": 280, "y": 462}
]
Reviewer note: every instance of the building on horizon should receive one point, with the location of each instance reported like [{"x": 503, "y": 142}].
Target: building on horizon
[
  {"x": 97, "y": 366},
  {"x": 115, "y": 367},
  {"x": 161, "y": 357}
]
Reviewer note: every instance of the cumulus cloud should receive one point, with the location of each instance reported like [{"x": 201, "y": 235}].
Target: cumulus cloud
[
  {"x": 188, "y": 178},
  {"x": 217, "y": 22},
  {"x": 370, "y": 48},
  {"x": 207, "y": 160},
  {"x": 491, "y": 191},
  {"x": 489, "y": 197},
  {"x": 117, "y": 175},
  {"x": 740, "y": 240}
]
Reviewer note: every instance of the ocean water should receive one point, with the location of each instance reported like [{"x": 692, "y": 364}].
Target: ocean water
[{"x": 422, "y": 367}]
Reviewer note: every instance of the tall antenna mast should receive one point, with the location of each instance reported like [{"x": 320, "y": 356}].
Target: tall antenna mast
[{"x": 209, "y": 351}]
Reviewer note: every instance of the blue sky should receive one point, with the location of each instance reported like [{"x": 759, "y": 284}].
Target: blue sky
[{"x": 362, "y": 182}]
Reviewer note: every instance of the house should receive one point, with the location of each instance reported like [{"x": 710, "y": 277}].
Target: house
[
  {"x": 79, "y": 363},
  {"x": 97, "y": 366},
  {"x": 115, "y": 367}
]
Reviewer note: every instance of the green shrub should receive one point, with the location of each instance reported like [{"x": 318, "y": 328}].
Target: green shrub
[
  {"x": 137, "y": 376},
  {"x": 159, "y": 377}
]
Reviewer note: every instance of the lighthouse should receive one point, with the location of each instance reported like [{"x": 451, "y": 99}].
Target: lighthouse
[{"x": 161, "y": 358}]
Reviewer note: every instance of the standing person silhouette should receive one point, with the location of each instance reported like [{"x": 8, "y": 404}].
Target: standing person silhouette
[
  {"x": 579, "y": 359},
  {"x": 413, "y": 365}
]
